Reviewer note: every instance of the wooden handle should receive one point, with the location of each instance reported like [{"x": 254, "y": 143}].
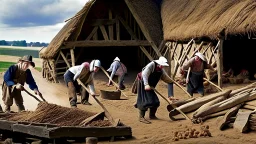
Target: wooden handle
[
  {"x": 32, "y": 95},
  {"x": 174, "y": 106},
  {"x": 112, "y": 81},
  {"x": 110, "y": 118},
  {"x": 213, "y": 84}
]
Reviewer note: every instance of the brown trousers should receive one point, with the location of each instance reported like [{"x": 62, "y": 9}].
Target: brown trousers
[
  {"x": 72, "y": 94},
  {"x": 9, "y": 94}
]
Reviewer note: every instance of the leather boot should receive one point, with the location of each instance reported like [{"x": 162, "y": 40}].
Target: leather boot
[
  {"x": 152, "y": 113},
  {"x": 141, "y": 117}
]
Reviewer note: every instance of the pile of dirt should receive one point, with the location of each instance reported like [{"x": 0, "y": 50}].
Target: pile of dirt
[{"x": 53, "y": 114}]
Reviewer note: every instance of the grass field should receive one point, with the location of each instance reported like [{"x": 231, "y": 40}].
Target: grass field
[
  {"x": 19, "y": 52},
  {"x": 5, "y": 65}
]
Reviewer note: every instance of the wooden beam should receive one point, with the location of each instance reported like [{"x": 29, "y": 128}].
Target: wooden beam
[
  {"x": 65, "y": 59},
  {"x": 92, "y": 33},
  {"x": 102, "y": 43},
  {"x": 143, "y": 49},
  {"x": 72, "y": 56},
  {"x": 104, "y": 32},
  {"x": 127, "y": 27},
  {"x": 220, "y": 62},
  {"x": 99, "y": 22},
  {"x": 110, "y": 27},
  {"x": 117, "y": 29}
]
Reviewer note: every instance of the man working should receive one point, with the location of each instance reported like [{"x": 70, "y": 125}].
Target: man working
[
  {"x": 85, "y": 72},
  {"x": 118, "y": 69},
  {"x": 148, "y": 78},
  {"x": 197, "y": 64},
  {"x": 14, "y": 80}
]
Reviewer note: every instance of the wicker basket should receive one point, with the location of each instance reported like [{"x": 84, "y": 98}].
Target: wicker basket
[
  {"x": 110, "y": 95},
  {"x": 236, "y": 80}
]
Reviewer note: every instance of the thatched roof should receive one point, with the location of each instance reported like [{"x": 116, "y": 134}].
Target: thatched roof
[
  {"x": 186, "y": 19},
  {"x": 146, "y": 11},
  {"x": 66, "y": 32},
  {"x": 149, "y": 14}
]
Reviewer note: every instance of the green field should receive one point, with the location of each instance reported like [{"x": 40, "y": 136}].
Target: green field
[
  {"x": 19, "y": 52},
  {"x": 5, "y": 65}
]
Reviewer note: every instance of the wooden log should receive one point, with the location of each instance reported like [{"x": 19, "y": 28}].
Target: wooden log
[
  {"x": 228, "y": 103},
  {"x": 234, "y": 92},
  {"x": 214, "y": 115},
  {"x": 191, "y": 106},
  {"x": 241, "y": 122},
  {"x": 231, "y": 112},
  {"x": 210, "y": 103}
]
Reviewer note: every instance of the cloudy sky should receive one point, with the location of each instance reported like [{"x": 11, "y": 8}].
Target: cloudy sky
[{"x": 35, "y": 20}]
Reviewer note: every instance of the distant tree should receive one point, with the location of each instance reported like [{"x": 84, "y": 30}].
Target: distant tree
[{"x": 3, "y": 42}]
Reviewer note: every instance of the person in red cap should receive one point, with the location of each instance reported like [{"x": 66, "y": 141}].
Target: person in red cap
[
  {"x": 195, "y": 81},
  {"x": 85, "y": 72},
  {"x": 14, "y": 79}
]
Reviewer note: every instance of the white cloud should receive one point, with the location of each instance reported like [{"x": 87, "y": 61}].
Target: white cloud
[
  {"x": 31, "y": 34},
  {"x": 35, "y": 20}
]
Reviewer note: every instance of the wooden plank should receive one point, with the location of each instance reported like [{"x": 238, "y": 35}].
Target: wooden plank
[
  {"x": 72, "y": 57},
  {"x": 220, "y": 62},
  {"x": 89, "y": 132},
  {"x": 6, "y": 125},
  {"x": 231, "y": 112},
  {"x": 65, "y": 59},
  {"x": 57, "y": 59},
  {"x": 110, "y": 27},
  {"x": 103, "y": 43},
  {"x": 241, "y": 122},
  {"x": 104, "y": 32},
  {"x": 143, "y": 49},
  {"x": 94, "y": 30},
  {"x": 99, "y": 116},
  {"x": 51, "y": 71}
]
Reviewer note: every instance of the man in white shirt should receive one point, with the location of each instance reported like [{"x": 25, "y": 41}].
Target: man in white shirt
[{"x": 85, "y": 72}]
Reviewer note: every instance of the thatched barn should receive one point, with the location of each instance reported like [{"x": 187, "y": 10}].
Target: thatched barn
[
  {"x": 222, "y": 29},
  {"x": 104, "y": 29}
]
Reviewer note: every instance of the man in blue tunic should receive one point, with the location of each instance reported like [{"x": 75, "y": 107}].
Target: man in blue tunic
[{"x": 14, "y": 79}]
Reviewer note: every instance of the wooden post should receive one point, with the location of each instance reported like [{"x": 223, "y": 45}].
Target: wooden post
[
  {"x": 91, "y": 140},
  {"x": 110, "y": 27},
  {"x": 220, "y": 62},
  {"x": 65, "y": 59},
  {"x": 72, "y": 53},
  {"x": 117, "y": 29}
]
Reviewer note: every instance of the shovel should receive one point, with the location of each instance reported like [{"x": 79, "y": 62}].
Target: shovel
[
  {"x": 107, "y": 114},
  {"x": 172, "y": 106}
]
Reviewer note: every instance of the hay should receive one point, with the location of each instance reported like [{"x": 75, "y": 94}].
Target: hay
[
  {"x": 53, "y": 114},
  {"x": 100, "y": 123}
]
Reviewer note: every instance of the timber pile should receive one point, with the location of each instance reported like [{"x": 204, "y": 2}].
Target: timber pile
[
  {"x": 54, "y": 114},
  {"x": 236, "y": 106}
]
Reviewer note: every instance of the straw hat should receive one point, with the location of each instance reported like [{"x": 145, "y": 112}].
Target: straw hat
[
  {"x": 201, "y": 56},
  {"x": 162, "y": 61},
  {"x": 116, "y": 59}
]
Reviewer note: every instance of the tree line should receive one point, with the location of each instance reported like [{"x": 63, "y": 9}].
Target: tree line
[{"x": 23, "y": 43}]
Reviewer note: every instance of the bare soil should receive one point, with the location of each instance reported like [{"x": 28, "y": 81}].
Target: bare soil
[{"x": 160, "y": 131}]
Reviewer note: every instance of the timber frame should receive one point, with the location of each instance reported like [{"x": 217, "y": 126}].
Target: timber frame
[
  {"x": 181, "y": 52},
  {"x": 111, "y": 35}
]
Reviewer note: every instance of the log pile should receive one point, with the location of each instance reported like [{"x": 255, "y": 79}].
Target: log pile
[{"x": 237, "y": 106}]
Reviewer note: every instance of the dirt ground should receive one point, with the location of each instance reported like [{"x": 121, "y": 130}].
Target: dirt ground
[{"x": 160, "y": 131}]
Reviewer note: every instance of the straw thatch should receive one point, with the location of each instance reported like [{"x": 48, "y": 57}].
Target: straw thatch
[
  {"x": 149, "y": 15},
  {"x": 186, "y": 19},
  {"x": 66, "y": 32},
  {"x": 146, "y": 11}
]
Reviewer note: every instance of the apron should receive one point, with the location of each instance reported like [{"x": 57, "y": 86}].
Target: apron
[
  {"x": 148, "y": 99},
  {"x": 195, "y": 83},
  {"x": 10, "y": 93}
]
